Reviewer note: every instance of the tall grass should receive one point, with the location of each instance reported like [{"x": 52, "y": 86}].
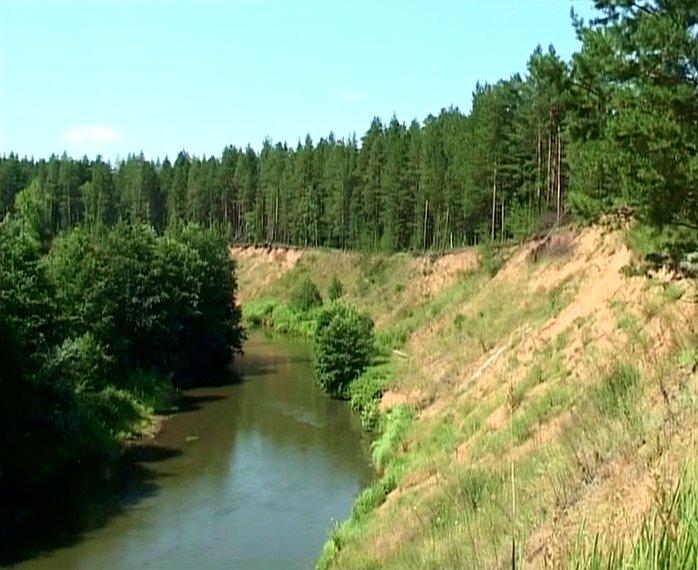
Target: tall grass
[{"x": 667, "y": 540}]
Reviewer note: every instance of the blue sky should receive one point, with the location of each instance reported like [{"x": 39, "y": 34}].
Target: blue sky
[{"x": 113, "y": 77}]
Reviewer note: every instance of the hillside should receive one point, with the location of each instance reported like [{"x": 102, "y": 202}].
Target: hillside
[{"x": 544, "y": 392}]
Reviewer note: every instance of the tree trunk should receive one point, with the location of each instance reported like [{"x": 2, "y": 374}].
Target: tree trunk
[
  {"x": 539, "y": 161},
  {"x": 494, "y": 202},
  {"x": 426, "y": 212},
  {"x": 559, "y": 175},
  {"x": 550, "y": 168},
  {"x": 502, "y": 236},
  {"x": 276, "y": 218}
]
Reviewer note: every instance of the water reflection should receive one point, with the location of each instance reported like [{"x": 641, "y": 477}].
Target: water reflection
[{"x": 249, "y": 475}]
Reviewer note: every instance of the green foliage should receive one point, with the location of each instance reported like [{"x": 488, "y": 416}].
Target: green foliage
[
  {"x": 373, "y": 496},
  {"x": 97, "y": 328},
  {"x": 614, "y": 126},
  {"x": 258, "y": 312},
  {"x": 586, "y": 207},
  {"x": 396, "y": 423},
  {"x": 651, "y": 242},
  {"x": 343, "y": 344},
  {"x": 305, "y": 295},
  {"x": 81, "y": 362},
  {"x": 365, "y": 393},
  {"x": 688, "y": 358},
  {"x": 335, "y": 290},
  {"x": 673, "y": 292},
  {"x": 282, "y": 318},
  {"x": 634, "y": 130}
]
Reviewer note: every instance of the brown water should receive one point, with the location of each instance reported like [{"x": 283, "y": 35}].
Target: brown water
[{"x": 251, "y": 476}]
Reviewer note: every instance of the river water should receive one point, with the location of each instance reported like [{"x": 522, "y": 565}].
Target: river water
[{"x": 251, "y": 475}]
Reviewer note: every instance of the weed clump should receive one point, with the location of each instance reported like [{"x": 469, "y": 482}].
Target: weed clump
[
  {"x": 615, "y": 394},
  {"x": 335, "y": 290}
]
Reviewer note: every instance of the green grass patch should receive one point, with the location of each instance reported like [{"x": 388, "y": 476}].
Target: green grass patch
[
  {"x": 551, "y": 403},
  {"x": 396, "y": 423},
  {"x": 673, "y": 291},
  {"x": 365, "y": 392},
  {"x": 282, "y": 318},
  {"x": 615, "y": 395}
]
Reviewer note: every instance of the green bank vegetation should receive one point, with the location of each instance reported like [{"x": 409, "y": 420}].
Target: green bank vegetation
[{"x": 97, "y": 328}]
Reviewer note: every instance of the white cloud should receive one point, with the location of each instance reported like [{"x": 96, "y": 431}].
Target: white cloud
[
  {"x": 349, "y": 95},
  {"x": 91, "y": 135}
]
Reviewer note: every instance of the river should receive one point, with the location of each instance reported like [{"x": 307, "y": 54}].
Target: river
[{"x": 251, "y": 474}]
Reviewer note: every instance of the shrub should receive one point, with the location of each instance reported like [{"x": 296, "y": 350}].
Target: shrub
[
  {"x": 335, "y": 290},
  {"x": 258, "y": 313},
  {"x": 365, "y": 393},
  {"x": 83, "y": 362},
  {"x": 97, "y": 327},
  {"x": 305, "y": 296},
  {"x": 343, "y": 347}
]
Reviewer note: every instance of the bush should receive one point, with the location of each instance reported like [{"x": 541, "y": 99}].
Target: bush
[
  {"x": 258, "y": 313},
  {"x": 82, "y": 362},
  {"x": 305, "y": 296},
  {"x": 343, "y": 347},
  {"x": 335, "y": 290},
  {"x": 365, "y": 393}
]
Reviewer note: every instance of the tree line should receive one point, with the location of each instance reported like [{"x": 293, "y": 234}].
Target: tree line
[{"x": 618, "y": 124}]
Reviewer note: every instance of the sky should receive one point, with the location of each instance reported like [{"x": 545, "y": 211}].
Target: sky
[{"x": 116, "y": 77}]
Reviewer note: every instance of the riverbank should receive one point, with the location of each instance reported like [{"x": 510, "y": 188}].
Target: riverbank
[
  {"x": 42, "y": 506},
  {"x": 560, "y": 369},
  {"x": 251, "y": 473}
]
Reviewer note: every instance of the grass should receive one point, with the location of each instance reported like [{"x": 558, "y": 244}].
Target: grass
[
  {"x": 539, "y": 410},
  {"x": 668, "y": 537},
  {"x": 281, "y": 317},
  {"x": 395, "y": 425},
  {"x": 396, "y": 422},
  {"x": 688, "y": 357},
  {"x": 673, "y": 291},
  {"x": 616, "y": 393},
  {"x": 442, "y": 497}
]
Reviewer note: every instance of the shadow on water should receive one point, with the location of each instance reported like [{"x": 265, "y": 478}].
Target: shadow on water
[
  {"x": 191, "y": 403},
  {"x": 255, "y": 456},
  {"x": 38, "y": 521}
]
